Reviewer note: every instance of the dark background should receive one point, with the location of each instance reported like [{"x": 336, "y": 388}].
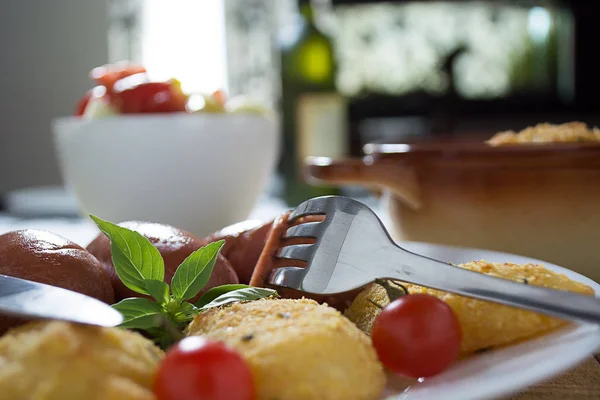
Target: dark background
[{"x": 452, "y": 114}]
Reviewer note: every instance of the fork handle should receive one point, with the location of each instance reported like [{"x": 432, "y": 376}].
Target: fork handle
[{"x": 424, "y": 271}]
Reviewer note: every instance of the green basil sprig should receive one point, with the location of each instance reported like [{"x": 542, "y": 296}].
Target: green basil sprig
[{"x": 140, "y": 266}]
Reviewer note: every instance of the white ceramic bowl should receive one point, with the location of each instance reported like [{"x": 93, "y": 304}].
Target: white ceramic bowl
[{"x": 199, "y": 172}]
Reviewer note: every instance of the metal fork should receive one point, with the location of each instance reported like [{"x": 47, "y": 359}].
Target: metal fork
[{"x": 353, "y": 248}]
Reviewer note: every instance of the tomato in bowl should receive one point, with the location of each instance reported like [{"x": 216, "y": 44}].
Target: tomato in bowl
[{"x": 126, "y": 156}]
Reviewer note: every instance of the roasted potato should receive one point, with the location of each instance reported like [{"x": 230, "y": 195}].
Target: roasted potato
[
  {"x": 59, "y": 360},
  {"x": 174, "y": 246},
  {"x": 485, "y": 325},
  {"x": 297, "y": 349},
  {"x": 48, "y": 258},
  {"x": 244, "y": 243}
]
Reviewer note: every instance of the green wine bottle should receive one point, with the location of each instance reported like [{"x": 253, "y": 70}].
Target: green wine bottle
[{"x": 314, "y": 113}]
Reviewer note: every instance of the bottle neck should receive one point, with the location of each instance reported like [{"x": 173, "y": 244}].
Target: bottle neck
[
  {"x": 307, "y": 13},
  {"x": 306, "y": 10}
]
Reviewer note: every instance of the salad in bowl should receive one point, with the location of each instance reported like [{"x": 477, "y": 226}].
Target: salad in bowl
[
  {"x": 143, "y": 148},
  {"x": 128, "y": 88}
]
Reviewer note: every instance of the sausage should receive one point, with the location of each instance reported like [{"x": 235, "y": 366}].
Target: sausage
[
  {"x": 48, "y": 258},
  {"x": 244, "y": 242},
  {"x": 173, "y": 244},
  {"x": 268, "y": 261}
]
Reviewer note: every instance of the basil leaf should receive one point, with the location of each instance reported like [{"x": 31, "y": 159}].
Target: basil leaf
[
  {"x": 186, "y": 312},
  {"x": 194, "y": 272},
  {"x": 139, "y": 313},
  {"x": 158, "y": 289},
  {"x": 217, "y": 291},
  {"x": 248, "y": 294},
  {"x": 134, "y": 257}
]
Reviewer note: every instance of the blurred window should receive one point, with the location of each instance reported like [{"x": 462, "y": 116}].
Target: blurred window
[
  {"x": 184, "y": 39},
  {"x": 485, "y": 49}
]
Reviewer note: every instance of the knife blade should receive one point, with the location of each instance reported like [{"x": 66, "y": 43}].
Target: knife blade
[{"x": 24, "y": 298}]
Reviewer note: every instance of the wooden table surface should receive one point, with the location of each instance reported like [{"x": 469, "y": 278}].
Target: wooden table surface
[{"x": 582, "y": 382}]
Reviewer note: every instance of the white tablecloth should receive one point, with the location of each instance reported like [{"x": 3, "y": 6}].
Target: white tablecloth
[{"x": 82, "y": 231}]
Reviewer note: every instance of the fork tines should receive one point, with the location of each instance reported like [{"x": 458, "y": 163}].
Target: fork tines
[
  {"x": 316, "y": 206},
  {"x": 298, "y": 244}
]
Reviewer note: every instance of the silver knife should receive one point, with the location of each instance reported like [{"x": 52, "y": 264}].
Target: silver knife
[{"x": 23, "y": 298}]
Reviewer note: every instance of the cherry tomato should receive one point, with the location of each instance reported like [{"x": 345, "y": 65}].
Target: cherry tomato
[
  {"x": 107, "y": 75},
  {"x": 417, "y": 335},
  {"x": 82, "y": 103},
  {"x": 197, "y": 368},
  {"x": 220, "y": 97},
  {"x": 95, "y": 92},
  {"x": 136, "y": 95}
]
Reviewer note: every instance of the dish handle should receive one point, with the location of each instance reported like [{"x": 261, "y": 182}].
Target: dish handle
[{"x": 399, "y": 179}]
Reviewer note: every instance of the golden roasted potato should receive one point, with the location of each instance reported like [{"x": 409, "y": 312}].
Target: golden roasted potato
[
  {"x": 484, "y": 324},
  {"x": 297, "y": 349},
  {"x": 64, "y": 361}
]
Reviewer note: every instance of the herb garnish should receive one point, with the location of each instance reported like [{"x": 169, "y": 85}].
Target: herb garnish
[
  {"x": 393, "y": 289},
  {"x": 247, "y": 337},
  {"x": 141, "y": 268}
]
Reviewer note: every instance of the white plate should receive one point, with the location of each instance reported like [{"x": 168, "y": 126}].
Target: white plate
[{"x": 506, "y": 371}]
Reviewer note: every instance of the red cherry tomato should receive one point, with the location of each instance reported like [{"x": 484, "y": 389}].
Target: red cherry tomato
[
  {"x": 417, "y": 335},
  {"x": 82, "y": 103},
  {"x": 220, "y": 97},
  {"x": 107, "y": 75},
  {"x": 95, "y": 92},
  {"x": 197, "y": 368},
  {"x": 136, "y": 95}
]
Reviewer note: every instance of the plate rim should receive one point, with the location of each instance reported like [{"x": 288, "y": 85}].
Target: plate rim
[{"x": 539, "y": 375}]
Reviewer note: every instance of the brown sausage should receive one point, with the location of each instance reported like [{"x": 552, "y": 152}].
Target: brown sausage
[
  {"x": 243, "y": 244},
  {"x": 268, "y": 261},
  {"x": 49, "y": 258},
  {"x": 173, "y": 244}
]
